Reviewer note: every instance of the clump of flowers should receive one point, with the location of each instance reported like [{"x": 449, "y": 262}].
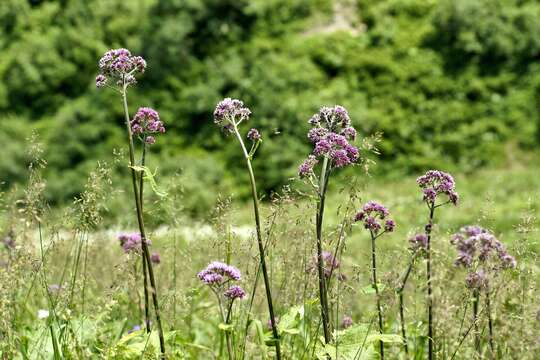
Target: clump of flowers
[
  {"x": 230, "y": 113},
  {"x": 219, "y": 276},
  {"x": 479, "y": 249},
  {"x": 330, "y": 265},
  {"x": 375, "y": 217},
  {"x": 484, "y": 256},
  {"x": 435, "y": 183},
  {"x": 330, "y": 134},
  {"x": 418, "y": 243},
  {"x": 346, "y": 322},
  {"x": 130, "y": 242},
  {"x": 145, "y": 123},
  {"x": 120, "y": 66},
  {"x": 155, "y": 258}
]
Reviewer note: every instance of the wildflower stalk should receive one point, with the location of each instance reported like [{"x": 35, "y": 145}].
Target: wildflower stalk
[
  {"x": 490, "y": 324},
  {"x": 476, "y": 299},
  {"x": 259, "y": 240},
  {"x": 140, "y": 219},
  {"x": 429, "y": 226},
  {"x": 143, "y": 258},
  {"x": 376, "y": 287},
  {"x": 400, "y": 291},
  {"x": 323, "y": 295}
]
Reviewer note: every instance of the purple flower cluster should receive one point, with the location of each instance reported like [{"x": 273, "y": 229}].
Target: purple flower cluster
[
  {"x": 346, "y": 322},
  {"x": 475, "y": 243},
  {"x": 235, "y": 292},
  {"x": 155, "y": 258},
  {"x": 145, "y": 122},
  {"x": 119, "y": 65},
  {"x": 217, "y": 275},
  {"x": 373, "y": 215},
  {"x": 230, "y": 112},
  {"x": 418, "y": 242},
  {"x": 253, "y": 135},
  {"x": 478, "y": 246},
  {"x": 330, "y": 135},
  {"x": 131, "y": 242},
  {"x": 434, "y": 183},
  {"x": 330, "y": 264}
]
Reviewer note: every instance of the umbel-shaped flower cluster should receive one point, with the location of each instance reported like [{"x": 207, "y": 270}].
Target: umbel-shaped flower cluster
[
  {"x": 120, "y": 66},
  {"x": 330, "y": 134},
  {"x": 481, "y": 252},
  {"x": 146, "y": 122},
  {"x": 418, "y": 243},
  {"x": 375, "y": 217},
  {"x": 230, "y": 113},
  {"x": 435, "y": 183},
  {"x": 218, "y": 276}
]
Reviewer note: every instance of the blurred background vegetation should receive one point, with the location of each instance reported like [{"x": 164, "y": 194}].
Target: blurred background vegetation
[{"x": 452, "y": 84}]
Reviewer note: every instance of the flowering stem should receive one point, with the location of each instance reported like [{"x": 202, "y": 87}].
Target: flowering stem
[
  {"x": 400, "y": 291},
  {"x": 490, "y": 325},
  {"x": 140, "y": 220},
  {"x": 376, "y": 287},
  {"x": 323, "y": 184},
  {"x": 476, "y": 299},
  {"x": 145, "y": 277},
  {"x": 431, "y": 340},
  {"x": 260, "y": 242}
]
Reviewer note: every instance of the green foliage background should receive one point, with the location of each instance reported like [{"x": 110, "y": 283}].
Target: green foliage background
[{"x": 450, "y": 83}]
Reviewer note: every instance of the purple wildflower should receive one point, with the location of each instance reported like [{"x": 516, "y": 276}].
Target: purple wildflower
[
  {"x": 306, "y": 168},
  {"x": 477, "y": 280},
  {"x": 135, "y": 328},
  {"x": 235, "y": 292},
  {"x": 349, "y": 133},
  {"x": 346, "y": 322},
  {"x": 130, "y": 242},
  {"x": 230, "y": 112},
  {"x": 253, "y": 135},
  {"x": 418, "y": 242},
  {"x": 372, "y": 215},
  {"x": 146, "y": 121},
  {"x": 119, "y": 65},
  {"x": 434, "y": 183},
  {"x": 101, "y": 81},
  {"x": 155, "y": 258},
  {"x": 316, "y": 134}
]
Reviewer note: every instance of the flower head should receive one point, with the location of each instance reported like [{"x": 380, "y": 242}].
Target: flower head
[
  {"x": 119, "y": 65},
  {"x": 145, "y": 122},
  {"x": 375, "y": 217},
  {"x": 306, "y": 168},
  {"x": 330, "y": 133},
  {"x": 130, "y": 242},
  {"x": 477, "y": 280},
  {"x": 230, "y": 112},
  {"x": 346, "y": 322},
  {"x": 434, "y": 183},
  {"x": 478, "y": 247},
  {"x": 253, "y": 135},
  {"x": 217, "y": 272},
  {"x": 418, "y": 242},
  {"x": 155, "y": 258},
  {"x": 235, "y": 292}
]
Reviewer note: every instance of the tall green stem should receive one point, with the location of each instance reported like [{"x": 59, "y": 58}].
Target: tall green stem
[
  {"x": 144, "y": 264},
  {"x": 260, "y": 242},
  {"x": 476, "y": 299},
  {"x": 400, "y": 292},
  {"x": 323, "y": 296},
  {"x": 490, "y": 325},
  {"x": 431, "y": 340},
  {"x": 376, "y": 287},
  {"x": 136, "y": 194}
]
